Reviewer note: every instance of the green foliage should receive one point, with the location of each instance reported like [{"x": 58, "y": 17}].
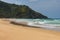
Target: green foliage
[{"x": 18, "y": 11}]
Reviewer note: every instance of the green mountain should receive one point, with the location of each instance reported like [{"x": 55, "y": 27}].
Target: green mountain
[{"x": 8, "y": 10}]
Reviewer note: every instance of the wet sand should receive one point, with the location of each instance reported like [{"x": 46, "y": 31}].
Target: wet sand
[{"x": 10, "y": 31}]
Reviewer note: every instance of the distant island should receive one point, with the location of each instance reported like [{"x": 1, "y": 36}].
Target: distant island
[{"x": 8, "y": 10}]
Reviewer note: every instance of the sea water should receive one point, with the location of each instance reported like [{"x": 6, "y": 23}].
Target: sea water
[{"x": 53, "y": 24}]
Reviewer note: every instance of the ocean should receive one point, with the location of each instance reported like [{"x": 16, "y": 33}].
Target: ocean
[{"x": 52, "y": 24}]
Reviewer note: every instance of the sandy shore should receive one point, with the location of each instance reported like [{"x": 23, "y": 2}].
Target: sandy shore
[{"x": 16, "y": 32}]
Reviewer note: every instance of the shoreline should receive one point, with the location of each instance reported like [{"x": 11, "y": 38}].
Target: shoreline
[
  {"x": 35, "y": 25},
  {"x": 10, "y": 31},
  {"x": 28, "y": 24}
]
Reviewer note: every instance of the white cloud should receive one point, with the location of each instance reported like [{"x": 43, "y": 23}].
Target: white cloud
[
  {"x": 33, "y": 0},
  {"x": 12, "y": 1}
]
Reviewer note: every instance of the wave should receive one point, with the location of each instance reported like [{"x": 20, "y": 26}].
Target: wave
[{"x": 43, "y": 23}]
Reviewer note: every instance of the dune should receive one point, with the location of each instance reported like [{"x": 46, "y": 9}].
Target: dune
[{"x": 10, "y": 31}]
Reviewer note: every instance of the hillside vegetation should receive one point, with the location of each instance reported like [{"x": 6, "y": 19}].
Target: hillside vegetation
[{"x": 8, "y": 10}]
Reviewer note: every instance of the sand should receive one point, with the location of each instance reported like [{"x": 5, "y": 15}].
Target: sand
[{"x": 18, "y": 32}]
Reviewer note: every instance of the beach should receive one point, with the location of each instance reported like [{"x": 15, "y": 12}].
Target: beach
[{"x": 10, "y": 31}]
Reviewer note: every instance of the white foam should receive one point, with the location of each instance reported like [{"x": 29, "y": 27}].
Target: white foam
[{"x": 40, "y": 25}]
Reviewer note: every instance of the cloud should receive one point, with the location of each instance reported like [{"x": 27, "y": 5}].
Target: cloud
[
  {"x": 33, "y": 0},
  {"x": 9, "y": 1},
  {"x": 12, "y": 1}
]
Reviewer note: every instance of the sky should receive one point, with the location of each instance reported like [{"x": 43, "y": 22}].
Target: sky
[{"x": 50, "y": 8}]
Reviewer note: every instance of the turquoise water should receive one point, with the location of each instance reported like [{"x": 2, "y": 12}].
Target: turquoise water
[
  {"x": 53, "y": 24},
  {"x": 42, "y": 21},
  {"x": 49, "y": 21}
]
